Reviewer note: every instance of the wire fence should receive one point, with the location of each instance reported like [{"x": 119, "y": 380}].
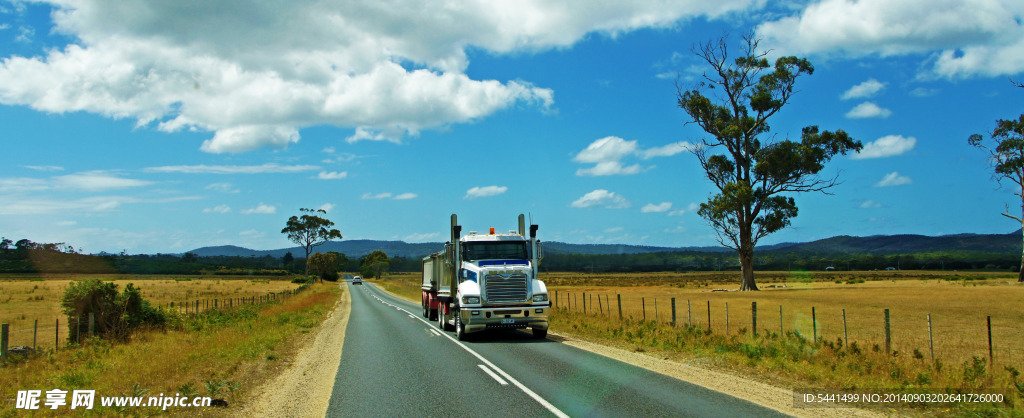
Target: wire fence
[
  {"x": 56, "y": 332},
  {"x": 926, "y": 336}
]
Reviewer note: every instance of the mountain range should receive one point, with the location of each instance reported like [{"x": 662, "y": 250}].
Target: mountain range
[{"x": 876, "y": 244}]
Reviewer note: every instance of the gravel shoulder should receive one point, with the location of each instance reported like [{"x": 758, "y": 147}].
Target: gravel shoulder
[{"x": 304, "y": 388}]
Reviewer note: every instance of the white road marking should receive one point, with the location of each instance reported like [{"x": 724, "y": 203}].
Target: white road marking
[
  {"x": 435, "y": 332},
  {"x": 490, "y": 373},
  {"x": 515, "y": 382}
]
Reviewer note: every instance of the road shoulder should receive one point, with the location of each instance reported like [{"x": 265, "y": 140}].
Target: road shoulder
[{"x": 304, "y": 387}]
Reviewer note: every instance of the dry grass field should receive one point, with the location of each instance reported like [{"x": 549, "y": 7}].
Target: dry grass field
[
  {"x": 959, "y": 304},
  {"x": 27, "y": 298}
]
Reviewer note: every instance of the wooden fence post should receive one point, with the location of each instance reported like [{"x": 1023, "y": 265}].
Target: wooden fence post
[
  {"x": 584, "y": 302},
  {"x": 888, "y": 333},
  {"x": 35, "y": 333},
  {"x": 781, "y": 330},
  {"x": 4, "y": 330},
  {"x": 689, "y": 314},
  {"x": 846, "y": 334},
  {"x": 56, "y": 335},
  {"x": 556, "y": 298},
  {"x": 726, "y": 318},
  {"x": 988, "y": 319},
  {"x": 600, "y": 308},
  {"x": 931, "y": 342},
  {"x": 709, "y": 315},
  {"x": 673, "y": 312},
  {"x": 753, "y": 316},
  {"x": 619, "y": 297},
  {"x": 655, "y": 310},
  {"x": 814, "y": 324},
  {"x": 643, "y": 308}
]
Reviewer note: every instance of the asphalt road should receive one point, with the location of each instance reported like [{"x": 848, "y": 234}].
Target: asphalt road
[{"x": 396, "y": 363}]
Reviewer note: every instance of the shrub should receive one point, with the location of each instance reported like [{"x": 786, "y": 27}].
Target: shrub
[{"x": 115, "y": 314}]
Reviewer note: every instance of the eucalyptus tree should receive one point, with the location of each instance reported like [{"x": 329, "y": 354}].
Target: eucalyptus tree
[
  {"x": 1006, "y": 155},
  {"x": 310, "y": 230}
]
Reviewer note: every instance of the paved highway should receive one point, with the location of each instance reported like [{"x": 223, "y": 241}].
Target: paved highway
[{"x": 395, "y": 362}]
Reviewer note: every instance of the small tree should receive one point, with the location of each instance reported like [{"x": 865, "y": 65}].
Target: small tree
[
  {"x": 310, "y": 230},
  {"x": 115, "y": 314},
  {"x": 375, "y": 264},
  {"x": 1006, "y": 151},
  {"x": 324, "y": 265},
  {"x": 756, "y": 170}
]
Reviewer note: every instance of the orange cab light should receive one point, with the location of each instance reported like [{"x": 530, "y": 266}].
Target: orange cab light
[{"x": 492, "y": 230}]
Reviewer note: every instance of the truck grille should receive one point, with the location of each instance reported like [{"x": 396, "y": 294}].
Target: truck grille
[{"x": 498, "y": 289}]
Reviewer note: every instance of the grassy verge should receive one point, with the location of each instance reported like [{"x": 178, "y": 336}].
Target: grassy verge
[
  {"x": 223, "y": 353},
  {"x": 403, "y": 285}
]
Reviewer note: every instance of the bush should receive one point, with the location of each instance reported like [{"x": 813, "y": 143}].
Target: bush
[
  {"x": 304, "y": 279},
  {"x": 115, "y": 314}
]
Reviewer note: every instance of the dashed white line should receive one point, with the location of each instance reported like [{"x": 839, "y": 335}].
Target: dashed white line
[
  {"x": 435, "y": 332},
  {"x": 490, "y": 373}
]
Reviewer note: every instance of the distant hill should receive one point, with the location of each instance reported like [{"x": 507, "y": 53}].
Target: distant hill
[{"x": 877, "y": 244}]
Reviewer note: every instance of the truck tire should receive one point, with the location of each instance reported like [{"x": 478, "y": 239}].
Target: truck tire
[
  {"x": 460, "y": 328},
  {"x": 540, "y": 333},
  {"x": 426, "y": 310}
]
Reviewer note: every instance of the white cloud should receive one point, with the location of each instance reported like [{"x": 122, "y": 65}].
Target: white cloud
[
  {"x": 485, "y": 191},
  {"x": 327, "y": 207},
  {"x": 261, "y": 209},
  {"x": 870, "y": 204},
  {"x": 44, "y": 167},
  {"x": 421, "y": 237},
  {"x": 242, "y": 71},
  {"x": 601, "y": 198},
  {"x": 252, "y": 234},
  {"x": 868, "y": 110},
  {"x": 332, "y": 175},
  {"x": 692, "y": 207},
  {"x": 218, "y": 209},
  {"x": 652, "y": 208},
  {"x": 924, "y": 92},
  {"x": 222, "y": 187},
  {"x": 886, "y": 146},
  {"x": 233, "y": 169},
  {"x": 406, "y": 196},
  {"x": 89, "y": 181},
  {"x": 607, "y": 154},
  {"x": 95, "y": 204},
  {"x": 371, "y": 196},
  {"x": 894, "y": 179},
  {"x": 984, "y": 37},
  {"x": 864, "y": 90}
]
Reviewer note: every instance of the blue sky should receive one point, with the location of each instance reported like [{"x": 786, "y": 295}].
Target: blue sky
[{"x": 165, "y": 126}]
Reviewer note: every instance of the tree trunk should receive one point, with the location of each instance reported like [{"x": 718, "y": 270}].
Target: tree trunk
[{"x": 747, "y": 264}]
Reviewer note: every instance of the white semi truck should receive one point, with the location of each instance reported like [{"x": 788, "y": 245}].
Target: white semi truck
[{"x": 486, "y": 281}]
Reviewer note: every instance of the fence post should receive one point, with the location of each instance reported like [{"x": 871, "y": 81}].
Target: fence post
[
  {"x": 556, "y": 298},
  {"x": 4, "y": 330},
  {"x": 600, "y": 308},
  {"x": 609, "y": 305},
  {"x": 931, "y": 342},
  {"x": 709, "y": 315},
  {"x": 673, "y": 312},
  {"x": 726, "y": 318},
  {"x": 92, "y": 324},
  {"x": 988, "y": 319},
  {"x": 584, "y": 302},
  {"x": 888, "y": 333},
  {"x": 619, "y": 297},
  {"x": 753, "y": 316},
  {"x": 689, "y": 314},
  {"x": 56, "y": 335},
  {"x": 846, "y": 334},
  {"x": 781, "y": 330},
  {"x": 35, "y": 333},
  {"x": 814, "y": 323},
  {"x": 643, "y": 308}
]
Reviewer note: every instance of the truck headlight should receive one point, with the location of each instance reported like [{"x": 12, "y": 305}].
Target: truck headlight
[
  {"x": 471, "y": 300},
  {"x": 540, "y": 297}
]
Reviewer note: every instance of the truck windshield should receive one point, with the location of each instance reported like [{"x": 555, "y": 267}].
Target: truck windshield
[{"x": 494, "y": 251}]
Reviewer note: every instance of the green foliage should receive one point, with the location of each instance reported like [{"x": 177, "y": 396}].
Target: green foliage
[
  {"x": 374, "y": 265},
  {"x": 752, "y": 175},
  {"x": 310, "y": 230},
  {"x": 324, "y": 265},
  {"x": 115, "y": 314}
]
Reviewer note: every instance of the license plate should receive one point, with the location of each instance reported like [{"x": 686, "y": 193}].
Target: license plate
[{"x": 508, "y": 321}]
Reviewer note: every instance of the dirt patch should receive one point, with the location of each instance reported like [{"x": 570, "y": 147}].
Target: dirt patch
[{"x": 304, "y": 388}]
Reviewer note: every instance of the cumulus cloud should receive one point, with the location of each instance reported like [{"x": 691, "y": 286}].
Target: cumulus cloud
[
  {"x": 218, "y": 209},
  {"x": 327, "y": 207},
  {"x": 262, "y": 209},
  {"x": 332, "y": 175},
  {"x": 607, "y": 154},
  {"x": 984, "y": 37},
  {"x": 659, "y": 208},
  {"x": 894, "y": 179},
  {"x": 868, "y": 110},
  {"x": 886, "y": 146},
  {"x": 388, "y": 195},
  {"x": 243, "y": 72},
  {"x": 864, "y": 90},
  {"x": 406, "y": 196},
  {"x": 485, "y": 191},
  {"x": 601, "y": 198}
]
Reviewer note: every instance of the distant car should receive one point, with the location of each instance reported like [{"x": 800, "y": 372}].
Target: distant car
[{"x": 357, "y": 280}]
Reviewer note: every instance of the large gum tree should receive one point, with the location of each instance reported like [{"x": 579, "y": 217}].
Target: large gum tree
[
  {"x": 1006, "y": 154},
  {"x": 753, "y": 170}
]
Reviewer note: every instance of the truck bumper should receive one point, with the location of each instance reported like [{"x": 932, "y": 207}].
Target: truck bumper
[{"x": 480, "y": 319}]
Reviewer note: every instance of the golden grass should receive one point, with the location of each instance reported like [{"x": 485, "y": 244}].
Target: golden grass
[
  {"x": 27, "y": 298},
  {"x": 223, "y": 356},
  {"x": 404, "y": 285}
]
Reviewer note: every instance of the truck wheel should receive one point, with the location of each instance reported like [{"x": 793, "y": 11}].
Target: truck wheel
[
  {"x": 426, "y": 310},
  {"x": 460, "y": 328},
  {"x": 440, "y": 318},
  {"x": 433, "y": 314},
  {"x": 540, "y": 333}
]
